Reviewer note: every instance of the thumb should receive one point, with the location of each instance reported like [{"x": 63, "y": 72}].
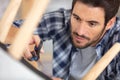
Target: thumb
[{"x": 42, "y": 50}]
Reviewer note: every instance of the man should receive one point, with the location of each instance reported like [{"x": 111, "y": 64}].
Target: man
[{"x": 91, "y": 27}]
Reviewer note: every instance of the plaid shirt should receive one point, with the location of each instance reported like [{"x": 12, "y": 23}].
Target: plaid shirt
[
  {"x": 112, "y": 72},
  {"x": 56, "y": 26}
]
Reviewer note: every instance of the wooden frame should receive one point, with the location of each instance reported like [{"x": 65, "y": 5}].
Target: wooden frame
[
  {"x": 25, "y": 8},
  {"x": 32, "y": 19},
  {"x": 8, "y": 18},
  {"x": 35, "y": 13}
]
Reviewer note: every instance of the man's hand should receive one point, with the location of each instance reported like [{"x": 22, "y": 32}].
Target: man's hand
[{"x": 35, "y": 41}]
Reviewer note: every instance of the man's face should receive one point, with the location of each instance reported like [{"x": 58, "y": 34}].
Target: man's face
[{"x": 87, "y": 25}]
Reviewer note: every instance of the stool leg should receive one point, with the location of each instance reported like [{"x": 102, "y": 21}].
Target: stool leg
[
  {"x": 32, "y": 20},
  {"x": 8, "y": 18},
  {"x": 102, "y": 63}
]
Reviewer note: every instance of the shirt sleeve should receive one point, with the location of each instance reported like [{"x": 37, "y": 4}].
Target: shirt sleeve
[{"x": 50, "y": 25}]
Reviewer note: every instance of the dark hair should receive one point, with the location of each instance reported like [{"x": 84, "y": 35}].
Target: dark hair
[{"x": 110, "y": 6}]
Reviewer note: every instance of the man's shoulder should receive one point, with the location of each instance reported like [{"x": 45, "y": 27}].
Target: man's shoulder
[
  {"x": 115, "y": 31},
  {"x": 117, "y": 21},
  {"x": 60, "y": 10},
  {"x": 58, "y": 13},
  {"x": 116, "y": 27}
]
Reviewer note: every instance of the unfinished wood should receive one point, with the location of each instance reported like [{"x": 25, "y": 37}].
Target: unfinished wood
[
  {"x": 8, "y": 18},
  {"x": 11, "y": 35},
  {"x": 102, "y": 63},
  {"x": 10, "y": 38},
  {"x": 25, "y": 8},
  {"x": 29, "y": 25}
]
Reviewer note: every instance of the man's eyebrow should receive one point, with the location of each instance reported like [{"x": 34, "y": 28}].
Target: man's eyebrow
[
  {"x": 92, "y": 21},
  {"x": 76, "y": 15}
]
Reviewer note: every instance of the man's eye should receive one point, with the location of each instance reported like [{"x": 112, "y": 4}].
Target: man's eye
[
  {"x": 77, "y": 18},
  {"x": 91, "y": 24}
]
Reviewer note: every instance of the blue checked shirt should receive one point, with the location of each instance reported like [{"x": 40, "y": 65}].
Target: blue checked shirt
[
  {"x": 55, "y": 26},
  {"x": 112, "y": 72}
]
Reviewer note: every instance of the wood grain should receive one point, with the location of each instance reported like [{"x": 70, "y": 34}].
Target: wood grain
[
  {"x": 8, "y": 18},
  {"x": 26, "y": 30},
  {"x": 102, "y": 63}
]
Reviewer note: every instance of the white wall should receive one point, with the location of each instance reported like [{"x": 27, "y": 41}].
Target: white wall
[
  {"x": 118, "y": 13},
  {"x": 3, "y": 5},
  {"x": 56, "y": 4}
]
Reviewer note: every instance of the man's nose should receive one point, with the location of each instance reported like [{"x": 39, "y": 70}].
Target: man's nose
[{"x": 81, "y": 28}]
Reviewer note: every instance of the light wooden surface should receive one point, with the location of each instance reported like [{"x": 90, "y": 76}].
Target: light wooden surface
[
  {"x": 10, "y": 38},
  {"x": 102, "y": 63},
  {"x": 8, "y": 18},
  {"x": 11, "y": 35},
  {"x": 21, "y": 39},
  {"x": 30, "y": 23},
  {"x": 25, "y": 8}
]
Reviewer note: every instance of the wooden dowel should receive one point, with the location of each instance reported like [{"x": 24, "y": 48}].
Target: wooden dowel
[
  {"x": 102, "y": 63},
  {"x": 11, "y": 35},
  {"x": 8, "y": 18},
  {"x": 9, "y": 40},
  {"x": 25, "y": 8},
  {"x": 31, "y": 22}
]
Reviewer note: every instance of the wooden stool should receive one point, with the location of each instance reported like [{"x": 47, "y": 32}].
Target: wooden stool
[{"x": 32, "y": 18}]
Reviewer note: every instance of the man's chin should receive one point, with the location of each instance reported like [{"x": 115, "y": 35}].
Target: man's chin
[{"x": 81, "y": 46}]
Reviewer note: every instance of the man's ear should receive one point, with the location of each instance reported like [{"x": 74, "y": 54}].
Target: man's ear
[{"x": 110, "y": 23}]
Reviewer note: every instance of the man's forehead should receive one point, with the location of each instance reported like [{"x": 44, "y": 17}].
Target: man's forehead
[{"x": 88, "y": 12}]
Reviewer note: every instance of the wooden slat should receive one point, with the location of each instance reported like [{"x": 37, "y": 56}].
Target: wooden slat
[
  {"x": 25, "y": 8},
  {"x": 11, "y": 35},
  {"x": 10, "y": 38},
  {"x": 27, "y": 28},
  {"x": 102, "y": 63},
  {"x": 8, "y": 18}
]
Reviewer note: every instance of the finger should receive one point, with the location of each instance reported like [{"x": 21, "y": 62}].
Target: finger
[
  {"x": 42, "y": 50},
  {"x": 27, "y": 53},
  {"x": 35, "y": 40}
]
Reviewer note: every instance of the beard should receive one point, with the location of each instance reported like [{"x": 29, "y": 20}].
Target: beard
[
  {"x": 76, "y": 43},
  {"x": 89, "y": 42}
]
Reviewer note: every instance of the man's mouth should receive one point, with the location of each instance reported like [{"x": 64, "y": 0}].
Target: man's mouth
[
  {"x": 80, "y": 37},
  {"x": 77, "y": 38}
]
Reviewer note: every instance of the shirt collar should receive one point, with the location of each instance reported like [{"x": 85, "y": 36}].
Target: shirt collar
[{"x": 105, "y": 39}]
